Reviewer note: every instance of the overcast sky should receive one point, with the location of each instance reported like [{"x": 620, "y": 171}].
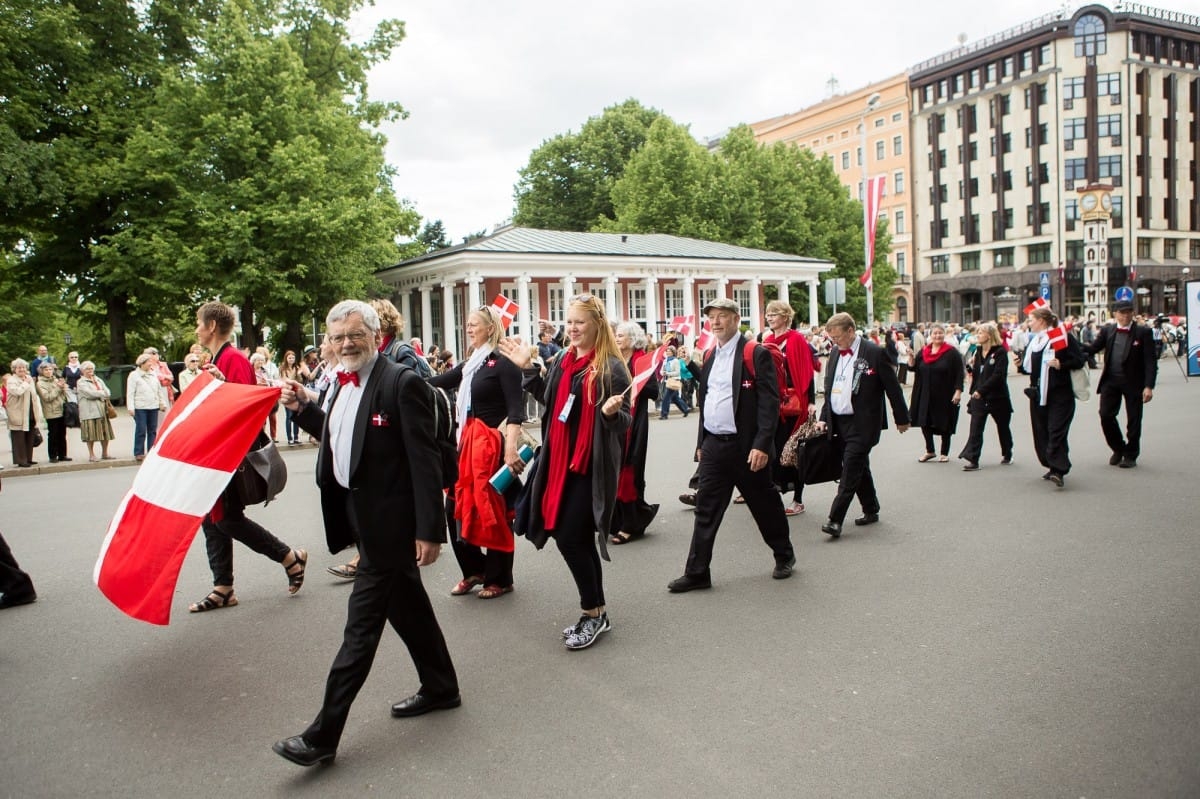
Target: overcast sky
[{"x": 485, "y": 83}]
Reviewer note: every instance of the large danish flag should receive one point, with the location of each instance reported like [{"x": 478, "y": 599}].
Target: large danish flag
[
  {"x": 870, "y": 219},
  {"x": 506, "y": 308},
  {"x": 202, "y": 442}
]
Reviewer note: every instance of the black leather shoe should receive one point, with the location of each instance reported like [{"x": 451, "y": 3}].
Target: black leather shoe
[
  {"x": 1128, "y": 463},
  {"x": 1115, "y": 460},
  {"x": 832, "y": 528},
  {"x": 783, "y": 570},
  {"x": 688, "y": 582},
  {"x": 13, "y": 600},
  {"x": 419, "y": 704},
  {"x": 688, "y": 498},
  {"x": 1057, "y": 479},
  {"x": 866, "y": 518},
  {"x": 302, "y": 753},
  {"x": 64, "y": 460},
  {"x": 971, "y": 466}
]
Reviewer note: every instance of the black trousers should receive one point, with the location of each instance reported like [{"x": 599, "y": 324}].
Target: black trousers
[
  {"x": 856, "y": 470},
  {"x": 1111, "y": 397},
  {"x": 575, "y": 537},
  {"x": 56, "y": 438},
  {"x": 1051, "y": 425},
  {"x": 22, "y": 446},
  {"x": 219, "y": 538},
  {"x": 14, "y": 583},
  {"x": 722, "y": 468},
  {"x": 393, "y": 595},
  {"x": 974, "y": 446}
]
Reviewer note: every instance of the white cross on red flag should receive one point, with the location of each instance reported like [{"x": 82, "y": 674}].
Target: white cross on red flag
[
  {"x": 640, "y": 379},
  {"x": 506, "y": 308},
  {"x": 683, "y": 325},
  {"x": 1057, "y": 337},
  {"x": 203, "y": 440},
  {"x": 870, "y": 217},
  {"x": 706, "y": 338},
  {"x": 1040, "y": 302}
]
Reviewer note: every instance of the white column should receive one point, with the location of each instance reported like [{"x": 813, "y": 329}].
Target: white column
[
  {"x": 689, "y": 298},
  {"x": 406, "y": 311},
  {"x": 448, "y": 324},
  {"x": 651, "y": 303},
  {"x": 722, "y": 284},
  {"x": 426, "y": 316},
  {"x": 568, "y": 286},
  {"x": 782, "y": 290},
  {"x": 813, "y": 318},
  {"x": 759, "y": 323},
  {"x": 612, "y": 307},
  {"x": 525, "y": 328},
  {"x": 473, "y": 295}
]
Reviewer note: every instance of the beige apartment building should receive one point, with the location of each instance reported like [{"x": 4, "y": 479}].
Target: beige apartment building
[
  {"x": 1009, "y": 129},
  {"x": 834, "y": 129}
]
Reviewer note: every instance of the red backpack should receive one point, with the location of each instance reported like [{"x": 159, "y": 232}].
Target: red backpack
[{"x": 790, "y": 405}]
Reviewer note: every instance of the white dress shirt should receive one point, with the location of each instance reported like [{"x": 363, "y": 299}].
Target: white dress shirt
[
  {"x": 841, "y": 396},
  {"x": 342, "y": 416},
  {"x": 718, "y": 395}
]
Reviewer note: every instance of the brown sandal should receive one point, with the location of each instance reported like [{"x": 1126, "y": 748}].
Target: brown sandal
[
  {"x": 214, "y": 601},
  {"x": 493, "y": 591}
]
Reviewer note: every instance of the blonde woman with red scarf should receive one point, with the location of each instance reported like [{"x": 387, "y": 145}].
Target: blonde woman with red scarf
[
  {"x": 575, "y": 482},
  {"x": 798, "y": 357},
  {"x": 937, "y": 390}
]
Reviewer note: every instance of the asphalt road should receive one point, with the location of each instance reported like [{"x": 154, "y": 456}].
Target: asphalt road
[{"x": 991, "y": 637}]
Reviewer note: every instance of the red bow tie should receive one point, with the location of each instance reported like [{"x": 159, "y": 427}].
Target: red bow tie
[
  {"x": 844, "y": 353},
  {"x": 347, "y": 377},
  {"x": 1122, "y": 330}
]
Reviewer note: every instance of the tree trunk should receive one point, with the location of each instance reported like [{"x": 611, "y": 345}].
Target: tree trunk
[
  {"x": 251, "y": 336},
  {"x": 117, "y": 310},
  {"x": 292, "y": 338}
]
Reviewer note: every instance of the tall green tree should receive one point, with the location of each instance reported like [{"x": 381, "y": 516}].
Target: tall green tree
[{"x": 568, "y": 181}]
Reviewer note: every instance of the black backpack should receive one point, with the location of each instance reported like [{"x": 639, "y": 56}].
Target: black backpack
[
  {"x": 399, "y": 352},
  {"x": 444, "y": 426}
]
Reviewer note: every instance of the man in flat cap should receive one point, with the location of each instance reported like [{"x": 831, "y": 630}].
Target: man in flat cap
[
  {"x": 1130, "y": 372},
  {"x": 738, "y": 398}
]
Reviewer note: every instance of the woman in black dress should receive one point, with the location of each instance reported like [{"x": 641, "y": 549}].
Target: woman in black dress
[
  {"x": 937, "y": 389},
  {"x": 989, "y": 397},
  {"x": 489, "y": 394},
  {"x": 633, "y": 514},
  {"x": 1051, "y": 394}
]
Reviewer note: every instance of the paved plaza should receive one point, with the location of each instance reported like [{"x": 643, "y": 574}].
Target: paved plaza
[{"x": 991, "y": 637}]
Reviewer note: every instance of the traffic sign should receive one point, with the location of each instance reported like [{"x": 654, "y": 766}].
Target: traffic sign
[{"x": 1123, "y": 294}]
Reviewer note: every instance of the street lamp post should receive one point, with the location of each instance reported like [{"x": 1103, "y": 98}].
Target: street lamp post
[{"x": 872, "y": 101}]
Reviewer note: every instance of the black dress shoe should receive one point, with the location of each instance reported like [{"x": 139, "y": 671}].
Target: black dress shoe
[
  {"x": 783, "y": 571},
  {"x": 866, "y": 518},
  {"x": 419, "y": 704},
  {"x": 13, "y": 600},
  {"x": 302, "y": 753},
  {"x": 971, "y": 466},
  {"x": 832, "y": 528},
  {"x": 1115, "y": 460},
  {"x": 63, "y": 460},
  {"x": 688, "y": 582},
  {"x": 1057, "y": 479},
  {"x": 1128, "y": 463}
]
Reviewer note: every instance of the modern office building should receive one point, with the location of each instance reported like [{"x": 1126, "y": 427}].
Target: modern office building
[
  {"x": 834, "y": 129},
  {"x": 1010, "y": 129}
]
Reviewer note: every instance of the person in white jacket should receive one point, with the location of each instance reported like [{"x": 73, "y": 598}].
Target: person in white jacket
[{"x": 144, "y": 398}]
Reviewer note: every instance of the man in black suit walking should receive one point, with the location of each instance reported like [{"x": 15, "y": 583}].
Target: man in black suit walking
[
  {"x": 735, "y": 444},
  {"x": 857, "y": 377},
  {"x": 379, "y": 471},
  {"x": 1130, "y": 372}
]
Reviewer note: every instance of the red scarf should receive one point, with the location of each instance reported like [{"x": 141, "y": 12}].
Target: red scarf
[
  {"x": 928, "y": 356},
  {"x": 559, "y": 438}
]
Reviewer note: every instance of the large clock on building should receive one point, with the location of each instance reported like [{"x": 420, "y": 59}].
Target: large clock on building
[
  {"x": 1106, "y": 201},
  {"x": 1088, "y": 202}
]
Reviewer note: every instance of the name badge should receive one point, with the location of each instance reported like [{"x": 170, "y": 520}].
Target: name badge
[
  {"x": 566, "y": 411},
  {"x": 837, "y": 390}
]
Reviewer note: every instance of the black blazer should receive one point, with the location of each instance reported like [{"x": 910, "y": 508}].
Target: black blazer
[
  {"x": 989, "y": 377},
  {"x": 1141, "y": 363},
  {"x": 876, "y": 380},
  {"x": 755, "y": 401},
  {"x": 395, "y": 468}
]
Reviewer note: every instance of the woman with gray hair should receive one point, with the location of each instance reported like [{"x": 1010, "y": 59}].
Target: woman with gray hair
[
  {"x": 632, "y": 514},
  {"x": 24, "y": 411},
  {"x": 94, "y": 424}
]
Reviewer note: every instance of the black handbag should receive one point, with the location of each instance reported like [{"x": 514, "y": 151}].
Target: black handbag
[
  {"x": 261, "y": 475},
  {"x": 817, "y": 461},
  {"x": 71, "y": 414},
  {"x": 37, "y": 437}
]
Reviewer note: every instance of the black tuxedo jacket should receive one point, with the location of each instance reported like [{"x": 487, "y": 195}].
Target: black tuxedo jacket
[
  {"x": 1141, "y": 363},
  {"x": 395, "y": 468},
  {"x": 876, "y": 380},
  {"x": 755, "y": 400}
]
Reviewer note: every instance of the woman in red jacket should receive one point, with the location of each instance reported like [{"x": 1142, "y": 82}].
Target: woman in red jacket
[{"x": 798, "y": 355}]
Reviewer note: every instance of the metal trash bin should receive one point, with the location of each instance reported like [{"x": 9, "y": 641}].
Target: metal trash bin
[{"x": 115, "y": 378}]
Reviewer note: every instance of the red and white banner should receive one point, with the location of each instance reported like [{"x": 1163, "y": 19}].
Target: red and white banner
[
  {"x": 1057, "y": 337},
  {"x": 650, "y": 369},
  {"x": 1040, "y": 302},
  {"x": 706, "y": 338},
  {"x": 683, "y": 325},
  {"x": 202, "y": 441},
  {"x": 506, "y": 308},
  {"x": 870, "y": 218}
]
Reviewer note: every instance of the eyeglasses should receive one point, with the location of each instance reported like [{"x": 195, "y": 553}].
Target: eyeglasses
[{"x": 357, "y": 337}]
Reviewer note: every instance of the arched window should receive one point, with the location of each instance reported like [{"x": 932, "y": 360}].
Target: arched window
[
  {"x": 901, "y": 309},
  {"x": 1091, "y": 39}
]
